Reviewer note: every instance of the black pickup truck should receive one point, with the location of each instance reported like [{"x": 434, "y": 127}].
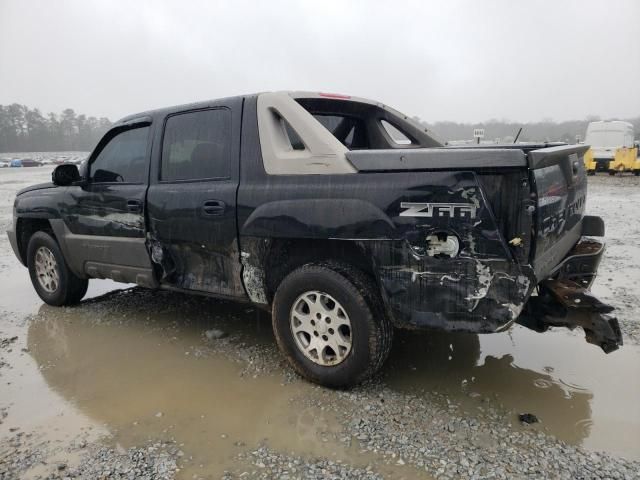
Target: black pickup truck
[{"x": 342, "y": 216}]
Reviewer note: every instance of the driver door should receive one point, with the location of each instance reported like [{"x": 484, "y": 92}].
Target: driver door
[{"x": 105, "y": 217}]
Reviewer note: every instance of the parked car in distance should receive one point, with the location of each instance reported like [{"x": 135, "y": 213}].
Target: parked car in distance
[
  {"x": 28, "y": 162},
  {"x": 341, "y": 216},
  {"x": 25, "y": 162}
]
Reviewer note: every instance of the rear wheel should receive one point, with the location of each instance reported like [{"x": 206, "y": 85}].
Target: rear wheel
[
  {"x": 612, "y": 172},
  {"x": 329, "y": 323},
  {"x": 54, "y": 283},
  {"x": 591, "y": 172},
  {"x": 636, "y": 173}
]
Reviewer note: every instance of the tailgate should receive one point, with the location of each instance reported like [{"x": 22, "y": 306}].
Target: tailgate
[{"x": 559, "y": 181}]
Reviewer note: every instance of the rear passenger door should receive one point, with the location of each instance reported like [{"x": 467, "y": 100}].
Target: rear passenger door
[{"x": 192, "y": 199}]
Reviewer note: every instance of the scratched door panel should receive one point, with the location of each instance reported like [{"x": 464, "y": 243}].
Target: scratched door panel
[{"x": 192, "y": 201}]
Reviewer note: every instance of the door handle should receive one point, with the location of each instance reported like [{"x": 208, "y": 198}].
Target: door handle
[
  {"x": 134, "y": 206},
  {"x": 213, "y": 207}
]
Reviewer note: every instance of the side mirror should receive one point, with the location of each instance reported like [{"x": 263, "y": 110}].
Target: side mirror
[{"x": 65, "y": 174}]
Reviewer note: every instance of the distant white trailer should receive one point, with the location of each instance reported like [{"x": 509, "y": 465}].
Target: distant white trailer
[{"x": 612, "y": 147}]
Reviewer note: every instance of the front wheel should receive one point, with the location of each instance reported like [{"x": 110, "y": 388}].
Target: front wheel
[
  {"x": 330, "y": 324},
  {"x": 636, "y": 173},
  {"x": 54, "y": 283}
]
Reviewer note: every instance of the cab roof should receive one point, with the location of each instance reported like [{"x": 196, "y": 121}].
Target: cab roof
[{"x": 147, "y": 115}]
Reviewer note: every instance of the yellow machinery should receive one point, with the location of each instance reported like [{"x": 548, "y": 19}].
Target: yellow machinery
[
  {"x": 625, "y": 160},
  {"x": 589, "y": 162}
]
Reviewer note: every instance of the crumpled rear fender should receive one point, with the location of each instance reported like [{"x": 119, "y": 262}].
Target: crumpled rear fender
[{"x": 470, "y": 294}]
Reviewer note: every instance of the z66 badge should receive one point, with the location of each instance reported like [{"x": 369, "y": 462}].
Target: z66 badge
[{"x": 461, "y": 210}]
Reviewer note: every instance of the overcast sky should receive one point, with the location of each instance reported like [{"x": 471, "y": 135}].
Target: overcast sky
[{"x": 442, "y": 60}]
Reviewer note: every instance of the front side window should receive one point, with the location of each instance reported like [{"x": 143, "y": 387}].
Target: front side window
[
  {"x": 123, "y": 159},
  {"x": 197, "y": 146}
]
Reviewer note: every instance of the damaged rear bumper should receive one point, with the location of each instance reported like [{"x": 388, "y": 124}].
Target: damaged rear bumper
[
  {"x": 482, "y": 296},
  {"x": 581, "y": 263},
  {"x": 565, "y": 301}
]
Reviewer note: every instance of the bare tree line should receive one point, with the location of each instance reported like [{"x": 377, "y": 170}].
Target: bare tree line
[{"x": 23, "y": 129}]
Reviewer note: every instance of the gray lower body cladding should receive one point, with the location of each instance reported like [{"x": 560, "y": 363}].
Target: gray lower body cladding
[{"x": 123, "y": 259}]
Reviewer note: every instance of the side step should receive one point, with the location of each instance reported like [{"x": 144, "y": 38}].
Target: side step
[{"x": 563, "y": 303}]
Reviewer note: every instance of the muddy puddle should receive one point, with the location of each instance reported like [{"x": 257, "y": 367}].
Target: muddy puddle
[
  {"x": 580, "y": 395},
  {"x": 146, "y": 385},
  {"x": 132, "y": 364},
  {"x": 137, "y": 365}
]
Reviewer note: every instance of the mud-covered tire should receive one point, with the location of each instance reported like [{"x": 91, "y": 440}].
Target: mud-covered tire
[
  {"x": 371, "y": 330},
  {"x": 69, "y": 289}
]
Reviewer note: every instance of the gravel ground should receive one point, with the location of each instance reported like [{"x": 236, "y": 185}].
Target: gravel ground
[
  {"x": 411, "y": 430},
  {"x": 270, "y": 464},
  {"x": 616, "y": 199},
  {"x": 427, "y": 433},
  {"x": 20, "y": 455}
]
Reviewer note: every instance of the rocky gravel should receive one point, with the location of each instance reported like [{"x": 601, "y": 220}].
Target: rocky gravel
[
  {"x": 616, "y": 199},
  {"x": 23, "y": 455},
  {"x": 427, "y": 433},
  {"x": 269, "y": 464},
  {"x": 406, "y": 429}
]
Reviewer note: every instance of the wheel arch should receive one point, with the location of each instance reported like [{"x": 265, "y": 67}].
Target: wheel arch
[
  {"x": 276, "y": 258},
  {"x": 25, "y": 228}
]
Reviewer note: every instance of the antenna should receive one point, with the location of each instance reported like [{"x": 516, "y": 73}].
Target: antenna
[{"x": 517, "y": 135}]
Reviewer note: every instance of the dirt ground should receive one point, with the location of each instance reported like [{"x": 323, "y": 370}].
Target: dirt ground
[{"x": 129, "y": 385}]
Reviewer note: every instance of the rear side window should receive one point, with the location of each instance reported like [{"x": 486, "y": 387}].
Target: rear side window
[
  {"x": 396, "y": 135},
  {"x": 123, "y": 159},
  {"x": 196, "y": 146},
  {"x": 363, "y": 125},
  {"x": 350, "y": 130}
]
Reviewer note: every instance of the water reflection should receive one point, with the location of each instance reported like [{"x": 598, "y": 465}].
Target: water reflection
[
  {"x": 144, "y": 380},
  {"x": 581, "y": 395},
  {"x": 452, "y": 363},
  {"x": 123, "y": 357}
]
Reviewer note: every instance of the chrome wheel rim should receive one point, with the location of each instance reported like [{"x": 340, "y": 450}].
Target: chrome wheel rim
[
  {"x": 47, "y": 270},
  {"x": 321, "y": 328}
]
